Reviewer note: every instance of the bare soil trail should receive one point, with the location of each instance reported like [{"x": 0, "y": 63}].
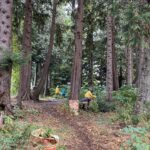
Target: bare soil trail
[{"x": 88, "y": 131}]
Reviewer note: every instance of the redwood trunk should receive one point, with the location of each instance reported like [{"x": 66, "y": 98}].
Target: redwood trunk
[
  {"x": 114, "y": 60},
  {"x": 129, "y": 66},
  {"x": 144, "y": 81},
  {"x": 40, "y": 86},
  {"x": 109, "y": 75},
  {"x": 141, "y": 60},
  {"x": 25, "y": 73},
  {"x": 5, "y": 47},
  {"x": 77, "y": 63}
]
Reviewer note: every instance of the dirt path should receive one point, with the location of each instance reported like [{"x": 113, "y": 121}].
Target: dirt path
[{"x": 86, "y": 133}]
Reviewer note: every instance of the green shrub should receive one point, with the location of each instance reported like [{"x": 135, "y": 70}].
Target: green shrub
[
  {"x": 103, "y": 104},
  {"x": 47, "y": 133},
  {"x": 126, "y": 95},
  {"x": 61, "y": 148},
  {"x": 94, "y": 106},
  {"x": 14, "y": 135},
  {"x": 138, "y": 139},
  {"x": 125, "y": 99}
]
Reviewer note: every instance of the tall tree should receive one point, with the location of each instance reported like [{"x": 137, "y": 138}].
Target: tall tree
[
  {"x": 129, "y": 66},
  {"x": 5, "y": 48},
  {"x": 144, "y": 81},
  {"x": 114, "y": 60},
  {"x": 44, "y": 72},
  {"x": 77, "y": 61},
  {"x": 25, "y": 73},
  {"x": 144, "y": 75},
  {"x": 109, "y": 75},
  {"x": 141, "y": 59}
]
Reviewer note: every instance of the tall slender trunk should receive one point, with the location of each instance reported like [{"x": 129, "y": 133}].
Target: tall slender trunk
[
  {"x": 25, "y": 72},
  {"x": 129, "y": 66},
  {"x": 36, "y": 92},
  {"x": 120, "y": 76},
  {"x": 90, "y": 76},
  {"x": 77, "y": 64},
  {"x": 90, "y": 48},
  {"x": 114, "y": 60},
  {"x": 140, "y": 64},
  {"x": 5, "y": 48},
  {"x": 109, "y": 75}
]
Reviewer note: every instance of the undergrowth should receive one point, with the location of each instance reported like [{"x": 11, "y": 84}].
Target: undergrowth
[{"x": 138, "y": 139}]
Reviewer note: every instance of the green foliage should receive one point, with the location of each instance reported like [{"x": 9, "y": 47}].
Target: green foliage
[
  {"x": 125, "y": 99},
  {"x": 125, "y": 95},
  {"x": 103, "y": 104},
  {"x": 94, "y": 106},
  {"x": 138, "y": 140},
  {"x": 18, "y": 113},
  {"x": 10, "y": 59},
  {"x": 15, "y": 80},
  {"x": 61, "y": 148},
  {"x": 47, "y": 133},
  {"x": 14, "y": 134}
]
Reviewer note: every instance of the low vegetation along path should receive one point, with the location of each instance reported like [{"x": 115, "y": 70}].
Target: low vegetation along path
[{"x": 88, "y": 131}]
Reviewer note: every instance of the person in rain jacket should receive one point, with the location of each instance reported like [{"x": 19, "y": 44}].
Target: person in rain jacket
[
  {"x": 87, "y": 99},
  {"x": 57, "y": 90}
]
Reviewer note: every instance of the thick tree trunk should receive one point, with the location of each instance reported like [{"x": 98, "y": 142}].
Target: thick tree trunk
[
  {"x": 143, "y": 75},
  {"x": 25, "y": 72},
  {"x": 129, "y": 67},
  {"x": 37, "y": 90},
  {"x": 5, "y": 47},
  {"x": 109, "y": 76},
  {"x": 76, "y": 71},
  {"x": 144, "y": 81},
  {"x": 114, "y": 60}
]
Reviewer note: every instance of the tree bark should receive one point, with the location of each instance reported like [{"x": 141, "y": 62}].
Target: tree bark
[
  {"x": 129, "y": 66},
  {"x": 77, "y": 61},
  {"x": 114, "y": 60},
  {"x": 25, "y": 72},
  {"x": 37, "y": 90},
  {"x": 5, "y": 47},
  {"x": 109, "y": 74},
  {"x": 120, "y": 76},
  {"x": 141, "y": 60},
  {"x": 144, "y": 81},
  {"x": 90, "y": 48}
]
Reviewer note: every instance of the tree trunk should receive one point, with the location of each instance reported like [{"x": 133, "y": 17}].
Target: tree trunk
[
  {"x": 37, "y": 90},
  {"x": 5, "y": 48},
  {"x": 141, "y": 60},
  {"x": 77, "y": 64},
  {"x": 90, "y": 48},
  {"x": 114, "y": 60},
  {"x": 144, "y": 75},
  {"x": 90, "y": 76},
  {"x": 25, "y": 72},
  {"x": 109, "y": 75},
  {"x": 120, "y": 76},
  {"x": 129, "y": 66},
  {"x": 144, "y": 81}
]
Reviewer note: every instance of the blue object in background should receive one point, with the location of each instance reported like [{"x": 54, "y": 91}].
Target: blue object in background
[{"x": 63, "y": 92}]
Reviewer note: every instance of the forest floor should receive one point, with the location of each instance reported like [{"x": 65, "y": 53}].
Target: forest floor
[{"x": 88, "y": 131}]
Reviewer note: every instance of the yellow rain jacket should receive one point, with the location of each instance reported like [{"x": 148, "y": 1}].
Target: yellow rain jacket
[
  {"x": 57, "y": 90},
  {"x": 88, "y": 94}
]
